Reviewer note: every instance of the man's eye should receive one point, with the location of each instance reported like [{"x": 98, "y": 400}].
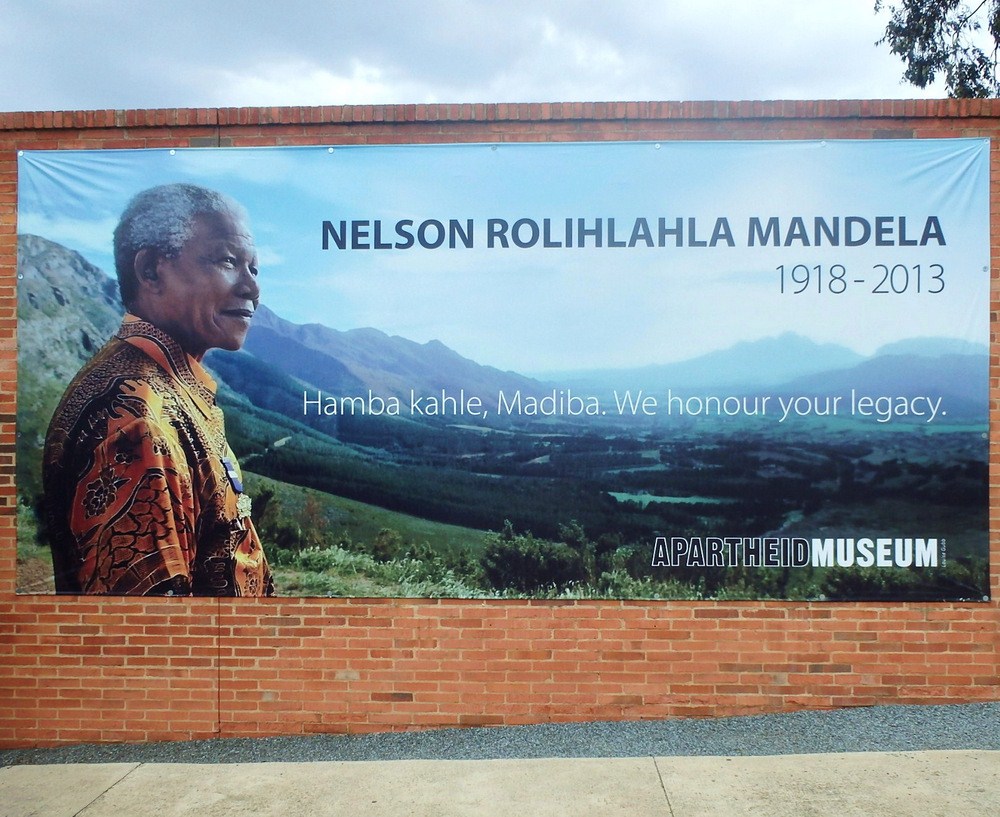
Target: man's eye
[
  {"x": 253, "y": 270},
  {"x": 228, "y": 260}
]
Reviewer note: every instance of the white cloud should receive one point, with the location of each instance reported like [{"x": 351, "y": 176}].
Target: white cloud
[
  {"x": 268, "y": 256},
  {"x": 58, "y": 54},
  {"x": 315, "y": 85},
  {"x": 88, "y": 237}
]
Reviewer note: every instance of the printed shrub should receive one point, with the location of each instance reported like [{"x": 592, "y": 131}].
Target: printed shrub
[{"x": 526, "y": 564}]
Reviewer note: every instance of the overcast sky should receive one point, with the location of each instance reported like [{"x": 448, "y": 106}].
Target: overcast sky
[{"x": 84, "y": 54}]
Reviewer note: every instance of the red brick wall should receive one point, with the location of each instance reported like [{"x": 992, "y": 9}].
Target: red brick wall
[{"x": 119, "y": 669}]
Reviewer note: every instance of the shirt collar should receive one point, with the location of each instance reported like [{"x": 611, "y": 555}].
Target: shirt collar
[{"x": 168, "y": 353}]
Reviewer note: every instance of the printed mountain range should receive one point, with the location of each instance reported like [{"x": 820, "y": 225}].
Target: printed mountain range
[
  {"x": 358, "y": 360},
  {"x": 791, "y": 365},
  {"x": 67, "y": 307}
]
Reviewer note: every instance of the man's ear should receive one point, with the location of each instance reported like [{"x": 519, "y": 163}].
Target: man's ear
[{"x": 145, "y": 269}]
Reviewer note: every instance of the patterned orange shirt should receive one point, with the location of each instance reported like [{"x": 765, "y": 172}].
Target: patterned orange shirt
[{"x": 143, "y": 494}]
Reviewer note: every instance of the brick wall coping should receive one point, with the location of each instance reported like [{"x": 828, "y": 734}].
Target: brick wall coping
[{"x": 505, "y": 112}]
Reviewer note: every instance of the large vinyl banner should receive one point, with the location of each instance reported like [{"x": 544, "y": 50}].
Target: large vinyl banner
[{"x": 678, "y": 370}]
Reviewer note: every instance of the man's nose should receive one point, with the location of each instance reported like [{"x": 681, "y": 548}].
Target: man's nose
[{"x": 249, "y": 287}]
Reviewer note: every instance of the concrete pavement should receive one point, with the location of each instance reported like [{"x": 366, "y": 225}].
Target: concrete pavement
[{"x": 868, "y": 784}]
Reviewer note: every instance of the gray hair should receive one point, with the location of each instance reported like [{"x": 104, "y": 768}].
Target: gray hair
[{"x": 162, "y": 219}]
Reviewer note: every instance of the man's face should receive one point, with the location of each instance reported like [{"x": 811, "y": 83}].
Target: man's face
[{"x": 209, "y": 290}]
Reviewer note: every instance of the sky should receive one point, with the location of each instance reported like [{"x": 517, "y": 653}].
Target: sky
[{"x": 95, "y": 54}]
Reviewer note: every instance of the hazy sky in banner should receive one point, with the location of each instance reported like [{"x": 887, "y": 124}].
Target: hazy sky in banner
[
  {"x": 68, "y": 54},
  {"x": 536, "y": 308}
]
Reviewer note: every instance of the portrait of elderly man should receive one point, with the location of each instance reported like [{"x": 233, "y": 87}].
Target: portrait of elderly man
[{"x": 143, "y": 494}]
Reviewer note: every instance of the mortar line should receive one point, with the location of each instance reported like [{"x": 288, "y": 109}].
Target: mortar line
[{"x": 218, "y": 667}]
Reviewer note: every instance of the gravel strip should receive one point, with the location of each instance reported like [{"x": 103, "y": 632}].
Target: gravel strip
[{"x": 862, "y": 729}]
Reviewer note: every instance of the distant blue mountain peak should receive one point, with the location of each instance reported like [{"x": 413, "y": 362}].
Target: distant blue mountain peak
[{"x": 932, "y": 347}]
